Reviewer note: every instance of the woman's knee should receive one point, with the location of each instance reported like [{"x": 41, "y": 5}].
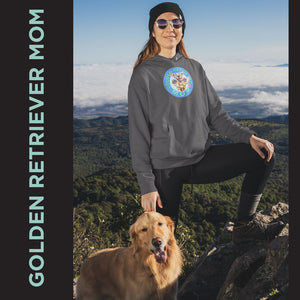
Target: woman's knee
[{"x": 271, "y": 163}]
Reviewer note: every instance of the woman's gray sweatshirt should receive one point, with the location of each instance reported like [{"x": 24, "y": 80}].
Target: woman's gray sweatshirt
[{"x": 171, "y": 108}]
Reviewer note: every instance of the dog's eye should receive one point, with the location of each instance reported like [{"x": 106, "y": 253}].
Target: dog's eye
[
  {"x": 144, "y": 229},
  {"x": 160, "y": 224}
]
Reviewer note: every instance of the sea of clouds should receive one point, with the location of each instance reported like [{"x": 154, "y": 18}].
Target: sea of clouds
[{"x": 265, "y": 86}]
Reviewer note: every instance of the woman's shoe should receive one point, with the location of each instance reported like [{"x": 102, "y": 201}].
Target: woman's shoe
[{"x": 256, "y": 230}]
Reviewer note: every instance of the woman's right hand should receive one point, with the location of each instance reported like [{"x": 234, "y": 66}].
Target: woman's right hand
[{"x": 149, "y": 201}]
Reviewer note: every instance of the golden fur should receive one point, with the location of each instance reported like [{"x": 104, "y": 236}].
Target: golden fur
[{"x": 135, "y": 273}]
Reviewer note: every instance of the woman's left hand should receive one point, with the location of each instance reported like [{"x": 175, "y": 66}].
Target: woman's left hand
[{"x": 258, "y": 144}]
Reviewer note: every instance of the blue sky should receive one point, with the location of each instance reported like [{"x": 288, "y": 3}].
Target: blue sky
[{"x": 216, "y": 30}]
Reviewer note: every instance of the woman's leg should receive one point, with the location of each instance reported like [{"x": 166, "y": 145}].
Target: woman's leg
[
  {"x": 227, "y": 161},
  {"x": 169, "y": 184},
  {"x": 220, "y": 163},
  {"x": 223, "y": 162}
]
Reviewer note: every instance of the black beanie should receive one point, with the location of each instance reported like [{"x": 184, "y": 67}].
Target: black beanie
[{"x": 161, "y": 8}]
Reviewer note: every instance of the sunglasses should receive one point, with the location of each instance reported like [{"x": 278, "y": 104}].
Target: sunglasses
[{"x": 162, "y": 23}]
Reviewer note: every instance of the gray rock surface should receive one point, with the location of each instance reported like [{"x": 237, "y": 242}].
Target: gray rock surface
[{"x": 249, "y": 271}]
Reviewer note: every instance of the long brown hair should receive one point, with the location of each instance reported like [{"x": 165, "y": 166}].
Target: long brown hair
[{"x": 152, "y": 48}]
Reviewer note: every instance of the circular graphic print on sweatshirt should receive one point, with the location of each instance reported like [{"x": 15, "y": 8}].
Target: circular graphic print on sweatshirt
[{"x": 178, "y": 82}]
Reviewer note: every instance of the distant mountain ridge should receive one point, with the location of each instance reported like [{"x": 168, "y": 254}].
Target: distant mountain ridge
[
  {"x": 279, "y": 119},
  {"x": 100, "y": 121},
  {"x": 239, "y": 109},
  {"x": 123, "y": 120},
  {"x": 106, "y": 110},
  {"x": 274, "y": 66}
]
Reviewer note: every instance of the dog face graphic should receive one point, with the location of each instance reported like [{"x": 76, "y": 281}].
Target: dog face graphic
[{"x": 179, "y": 81}]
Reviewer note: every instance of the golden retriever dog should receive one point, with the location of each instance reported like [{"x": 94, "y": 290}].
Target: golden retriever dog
[{"x": 148, "y": 269}]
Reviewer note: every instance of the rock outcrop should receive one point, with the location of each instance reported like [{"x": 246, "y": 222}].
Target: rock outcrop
[{"x": 249, "y": 271}]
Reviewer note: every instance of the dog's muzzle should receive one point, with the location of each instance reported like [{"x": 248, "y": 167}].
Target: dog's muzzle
[{"x": 159, "y": 251}]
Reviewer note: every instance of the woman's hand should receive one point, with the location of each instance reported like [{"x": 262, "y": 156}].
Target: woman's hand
[
  {"x": 149, "y": 201},
  {"x": 258, "y": 144}
]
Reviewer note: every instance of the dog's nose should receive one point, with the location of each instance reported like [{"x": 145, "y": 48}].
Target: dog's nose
[{"x": 156, "y": 242}]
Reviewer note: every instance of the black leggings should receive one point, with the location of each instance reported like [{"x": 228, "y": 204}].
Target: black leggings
[{"x": 221, "y": 162}]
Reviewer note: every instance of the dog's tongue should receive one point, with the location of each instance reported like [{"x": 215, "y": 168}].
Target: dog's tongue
[{"x": 160, "y": 255}]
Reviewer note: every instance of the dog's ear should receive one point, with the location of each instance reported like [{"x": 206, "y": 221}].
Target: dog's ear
[
  {"x": 132, "y": 233},
  {"x": 170, "y": 223}
]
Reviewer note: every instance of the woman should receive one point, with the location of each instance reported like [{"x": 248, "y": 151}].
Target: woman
[{"x": 171, "y": 108}]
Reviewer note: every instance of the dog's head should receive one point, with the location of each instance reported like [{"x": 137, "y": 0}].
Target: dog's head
[{"x": 153, "y": 233}]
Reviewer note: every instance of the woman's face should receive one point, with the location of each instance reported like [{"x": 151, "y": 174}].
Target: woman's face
[{"x": 169, "y": 37}]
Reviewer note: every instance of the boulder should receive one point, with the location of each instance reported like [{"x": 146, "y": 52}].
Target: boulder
[{"x": 248, "y": 271}]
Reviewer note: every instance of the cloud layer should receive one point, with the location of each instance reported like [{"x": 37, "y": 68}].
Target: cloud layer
[
  {"x": 265, "y": 86},
  {"x": 244, "y": 75},
  {"x": 96, "y": 85}
]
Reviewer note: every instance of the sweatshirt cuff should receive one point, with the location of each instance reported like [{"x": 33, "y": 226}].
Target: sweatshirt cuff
[
  {"x": 245, "y": 136},
  {"x": 146, "y": 186},
  {"x": 248, "y": 136}
]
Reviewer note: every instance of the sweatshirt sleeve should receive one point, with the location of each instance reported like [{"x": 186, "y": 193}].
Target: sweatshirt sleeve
[
  {"x": 139, "y": 134},
  {"x": 221, "y": 121}
]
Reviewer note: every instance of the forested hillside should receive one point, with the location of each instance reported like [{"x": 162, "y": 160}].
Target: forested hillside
[{"x": 107, "y": 199}]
